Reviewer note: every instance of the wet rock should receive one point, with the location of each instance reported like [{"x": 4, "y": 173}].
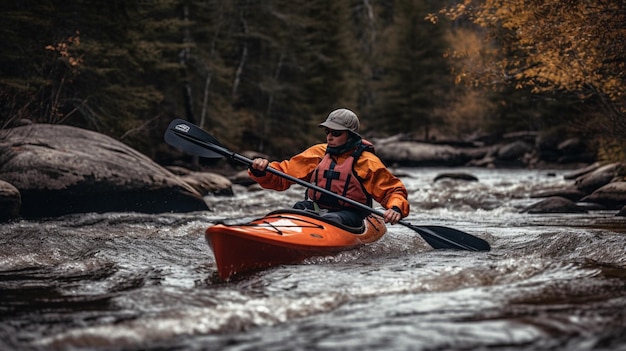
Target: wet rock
[
  {"x": 255, "y": 187},
  {"x": 178, "y": 170},
  {"x": 477, "y": 153},
  {"x": 597, "y": 178},
  {"x": 555, "y": 204},
  {"x": 209, "y": 183},
  {"x": 10, "y": 201},
  {"x": 204, "y": 182},
  {"x": 486, "y": 162},
  {"x": 580, "y": 172},
  {"x": 458, "y": 176},
  {"x": 570, "y": 193},
  {"x": 420, "y": 154},
  {"x": 520, "y": 149},
  {"x": 514, "y": 151},
  {"x": 612, "y": 195},
  {"x": 622, "y": 212},
  {"x": 61, "y": 170}
]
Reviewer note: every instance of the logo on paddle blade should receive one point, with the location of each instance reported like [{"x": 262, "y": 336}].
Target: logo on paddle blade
[{"x": 182, "y": 127}]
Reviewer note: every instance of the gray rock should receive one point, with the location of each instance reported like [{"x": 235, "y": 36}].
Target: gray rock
[
  {"x": 570, "y": 193},
  {"x": 514, "y": 151},
  {"x": 61, "y": 169},
  {"x": 580, "y": 172},
  {"x": 597, "y": 178},
  {"x": 457, "y": 175},
  {"x": 209, "y": 183},
  {"x": 612, "y": 195},
  {"x": 555, "y": 204},
  {"x": 411, "y": 153},
  {"x": 178, "y": 170}
]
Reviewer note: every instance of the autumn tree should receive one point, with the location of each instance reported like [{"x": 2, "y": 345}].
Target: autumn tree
[{"x": 562, "y": 49}]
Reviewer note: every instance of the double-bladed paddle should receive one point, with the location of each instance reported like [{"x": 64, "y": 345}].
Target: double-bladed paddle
[{"x": 193, "y": 140}]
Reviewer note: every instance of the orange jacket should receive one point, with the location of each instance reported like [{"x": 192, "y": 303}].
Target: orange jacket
[{"x": 384, "y": 187}]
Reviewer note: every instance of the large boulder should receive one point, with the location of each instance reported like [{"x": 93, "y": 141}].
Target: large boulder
[
  {"x": 60, "y": 169},
  {"x": 410, "y": 153},
  {"x": 209, "y": 183},
  {"x": 456, "y": 175},
  {"x": 581, "y": 172},
  {"x": 514, "y": 151},
  {"x": 612, "y": 195},
  {"x": 206, "y": 183},
  {"x": 570, "y": 193},
  {"x": 599, "y": 177},
  {"x": 554, "y": 204}
]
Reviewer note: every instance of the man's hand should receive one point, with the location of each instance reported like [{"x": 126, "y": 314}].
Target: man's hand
[
  {"x": 260, "y": 164},
  {"x": 392, "y": 215}
]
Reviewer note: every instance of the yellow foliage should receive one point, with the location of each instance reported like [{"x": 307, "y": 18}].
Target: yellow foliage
[
  {"x": 611, "y": 150},
  {"x": 546, "y": 45}
]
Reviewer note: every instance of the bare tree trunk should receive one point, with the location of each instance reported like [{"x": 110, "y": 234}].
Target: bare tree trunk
[
  {"x": 372, "y": 21},
  {"x": 205, "y": 99},
  {"x": 183, "y": 57},
  {"x": 244, "y": 57},
  {"x": 209, "y": 75},
  {"x": 187, "y": 92},
  {"x": 270, "y": 102}
]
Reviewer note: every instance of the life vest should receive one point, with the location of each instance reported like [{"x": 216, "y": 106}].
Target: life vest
[{"x": 339, "y": 179}]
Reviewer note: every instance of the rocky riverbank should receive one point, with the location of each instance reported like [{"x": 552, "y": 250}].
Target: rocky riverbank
[{"x": 53, "y": 170}]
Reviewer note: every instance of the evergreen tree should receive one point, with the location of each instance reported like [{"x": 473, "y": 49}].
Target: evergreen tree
[{"x": 414, "y": 73}]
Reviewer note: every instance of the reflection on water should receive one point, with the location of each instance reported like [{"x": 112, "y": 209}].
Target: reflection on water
[{"x": 135, "y": 281}]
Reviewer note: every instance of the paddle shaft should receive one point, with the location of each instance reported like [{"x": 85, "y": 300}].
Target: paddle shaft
[{"x": 242, "y": 159}]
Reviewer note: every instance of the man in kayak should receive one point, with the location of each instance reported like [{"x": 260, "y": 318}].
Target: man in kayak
[{"x": 347, "y": 166}]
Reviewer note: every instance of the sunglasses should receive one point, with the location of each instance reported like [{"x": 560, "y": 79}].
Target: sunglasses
[{"x": 335, "y": 133}]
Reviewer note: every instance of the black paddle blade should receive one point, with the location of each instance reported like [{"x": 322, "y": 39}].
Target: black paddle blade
[
  {"x": 449, "y": 238},
  {"x": 191, "y": 139}
]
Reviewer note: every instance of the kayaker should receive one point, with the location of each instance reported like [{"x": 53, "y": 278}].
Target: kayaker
[{"x": 346, "y": 165}]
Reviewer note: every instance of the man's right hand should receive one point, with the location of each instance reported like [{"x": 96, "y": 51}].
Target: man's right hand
[{"x": 260, "y": 164}]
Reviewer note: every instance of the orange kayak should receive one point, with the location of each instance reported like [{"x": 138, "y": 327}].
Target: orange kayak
[{"x": 285, "y": 237}]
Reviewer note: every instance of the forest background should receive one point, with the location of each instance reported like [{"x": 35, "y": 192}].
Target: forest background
[{"x": 260, "y": 75}]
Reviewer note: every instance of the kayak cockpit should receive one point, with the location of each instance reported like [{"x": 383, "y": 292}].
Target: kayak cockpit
[{"x": 312, "y": 214}]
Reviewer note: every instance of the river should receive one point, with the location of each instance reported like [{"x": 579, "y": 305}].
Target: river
[{"x": 130, "y": 281}]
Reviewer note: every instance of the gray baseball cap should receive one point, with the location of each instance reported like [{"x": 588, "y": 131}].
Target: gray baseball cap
[{"x": 342, "y": 119}]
